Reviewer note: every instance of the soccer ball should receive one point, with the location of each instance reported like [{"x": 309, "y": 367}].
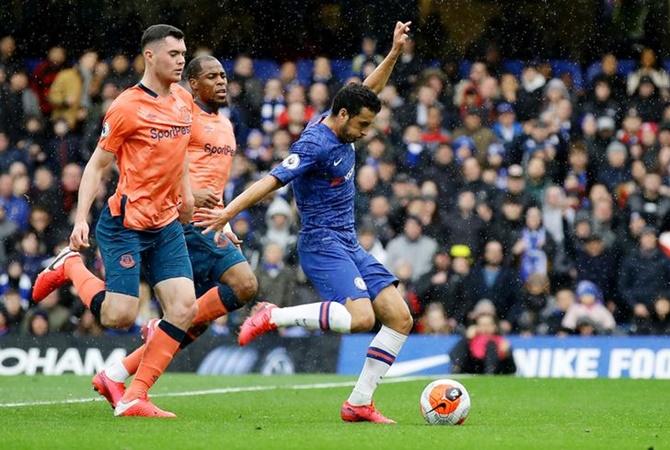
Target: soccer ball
[{"x": 445, "y": 402}]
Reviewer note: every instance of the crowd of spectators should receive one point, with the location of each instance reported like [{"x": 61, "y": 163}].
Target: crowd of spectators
[{"x": 522, "y": 197}]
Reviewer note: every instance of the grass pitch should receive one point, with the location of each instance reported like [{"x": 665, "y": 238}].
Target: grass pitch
[{"x": 290, "y": 412}]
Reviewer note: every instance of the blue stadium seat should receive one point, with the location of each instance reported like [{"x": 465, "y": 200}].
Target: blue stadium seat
[
  {"x": 266, "y": 69},
  {"x": 434, "y": 63},
  {"x": 304, "y": 70},
  {"x": 560, "y": 66},
  {"x": 31, "y": 64},
  {"x": 625, "y": 66},
  {"x": 514, "y": 66},
  {"x": 464, "y": 69},
  {"x": 228, "y": 65},
  {"x": 341, "y": 69}
]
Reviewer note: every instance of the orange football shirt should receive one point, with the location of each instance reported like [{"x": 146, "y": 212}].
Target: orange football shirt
[
  {"x": 210, "y": 151},
  {"x": 149, "y": 135}
]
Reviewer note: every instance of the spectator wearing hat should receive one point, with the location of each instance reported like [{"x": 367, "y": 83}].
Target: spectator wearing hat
[
  {"x": 644, "y": 273},
  {"x": 615, "y": 171},
  {"x": 598, "y": 264},
  {"x": 589, "y": 306},
  {"x": 506, "y": 128},
  {"x": 515, "y": 187},
  {"x": 473, "y": 128},
  {"x": 554, "y": 91},
  {"x": 278, "y": 219},
  {"x": 494, "y": 280},
  {"x": 647, "y": 100},
  {"x": 412, "y": 246},
  {"x": 464, "y": 147}
]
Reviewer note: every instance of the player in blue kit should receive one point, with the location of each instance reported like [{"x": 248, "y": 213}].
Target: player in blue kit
[{"x": 358, "y": 289}]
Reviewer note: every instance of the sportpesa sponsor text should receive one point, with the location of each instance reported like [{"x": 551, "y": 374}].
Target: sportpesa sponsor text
[{"x": 171, "y": 133}]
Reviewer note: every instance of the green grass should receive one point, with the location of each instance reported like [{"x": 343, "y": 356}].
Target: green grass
[{"x": 507, "y": 413}]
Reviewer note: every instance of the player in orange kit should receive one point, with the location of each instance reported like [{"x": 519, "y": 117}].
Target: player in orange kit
[
  {"x": 146, "y": 130},
  {"x": 221, "y": 272}
]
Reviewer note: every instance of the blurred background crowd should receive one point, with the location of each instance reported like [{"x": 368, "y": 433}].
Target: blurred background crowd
[{"x": 532, "y": 192}]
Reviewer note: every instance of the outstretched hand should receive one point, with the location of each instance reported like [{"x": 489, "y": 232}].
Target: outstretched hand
[
  {"x": 211, "y": 219},
  {"x": 400, "y": 35}
]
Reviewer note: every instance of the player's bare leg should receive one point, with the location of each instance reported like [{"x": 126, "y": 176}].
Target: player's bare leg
[{"x": 392, "y": 311}]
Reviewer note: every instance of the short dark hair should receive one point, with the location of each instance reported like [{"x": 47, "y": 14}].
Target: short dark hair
[
  {"x": 159, "y": 32},
  {"x": 354, "y": 97},
  {"x": 194, "y": 67}
]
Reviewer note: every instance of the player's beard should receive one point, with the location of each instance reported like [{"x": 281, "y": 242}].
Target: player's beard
[{"x": 345, "y": 137}]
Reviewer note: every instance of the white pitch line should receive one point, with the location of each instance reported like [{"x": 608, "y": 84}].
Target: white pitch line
[{"x": 218, "y": 391}]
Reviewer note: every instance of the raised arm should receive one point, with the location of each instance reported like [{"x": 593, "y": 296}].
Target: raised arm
[
  {"x": 377, "y": 80},
  {"x": 216, "y": 219},
  {"x": 88, "y": 189}
]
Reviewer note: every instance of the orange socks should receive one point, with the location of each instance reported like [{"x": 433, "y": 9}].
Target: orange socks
[
  {"x": 157, "y": 355},
  {"x": 86, "y": 284},
  {"x": 132, "y": 361},
  {"x": 210, "y": 307}
]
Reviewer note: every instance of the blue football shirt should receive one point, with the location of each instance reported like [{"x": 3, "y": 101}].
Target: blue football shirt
[{"x": 321, "y": 170}]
